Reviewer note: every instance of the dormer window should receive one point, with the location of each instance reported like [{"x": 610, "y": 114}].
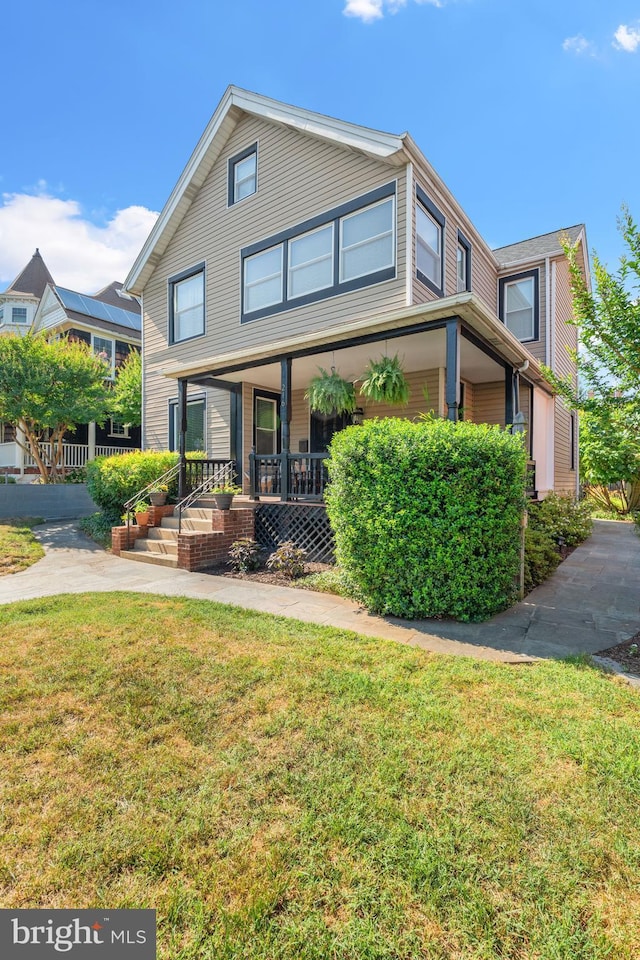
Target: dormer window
[
  {"x": 519, "y": 305},
  {"x": 243, "y": 175}
]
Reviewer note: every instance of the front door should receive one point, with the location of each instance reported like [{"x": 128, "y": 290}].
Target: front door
[{"x": 323, "y": 428}]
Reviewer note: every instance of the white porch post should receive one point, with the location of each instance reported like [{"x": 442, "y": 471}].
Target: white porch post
[
  {"x": 91, "y": 441},
  {"x": 21, "y": 454}
]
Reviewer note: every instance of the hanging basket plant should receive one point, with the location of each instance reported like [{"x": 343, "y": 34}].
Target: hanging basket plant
[
  {"x": 385, "y": 382},
  {"x": 328, "y": 393}
]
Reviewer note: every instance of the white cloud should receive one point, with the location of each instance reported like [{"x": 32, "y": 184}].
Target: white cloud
[
  {"x": 366, "y": 10},
  {"x": 627, "y": 38},
  {"x": 579, "y": 45},
  {"x": 370, "y": 10},
  {"x": 79, "y": 254}
]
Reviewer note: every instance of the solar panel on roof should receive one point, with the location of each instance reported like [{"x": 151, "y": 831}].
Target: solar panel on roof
[{"x": 97, "y": 309}]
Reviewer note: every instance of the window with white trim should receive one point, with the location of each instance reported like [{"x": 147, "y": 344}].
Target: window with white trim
[
  {"x": 429, "y": 243},
  {"x": 186, "y": 305},
  {"x": 18, "y": 314},
  {"x": 345, "y": 249},
  {"x": 118, "y": 429},
  {"x": 518, "y": 304},
  {"x": 104, "y": 349}
]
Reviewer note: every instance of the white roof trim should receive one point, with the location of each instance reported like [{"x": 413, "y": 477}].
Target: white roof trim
[{"x": 372, "y": 142}]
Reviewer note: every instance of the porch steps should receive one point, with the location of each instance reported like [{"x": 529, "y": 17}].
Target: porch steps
[
  {"x": 160, "y": 546},
  {"x": 161, "y": 560}
]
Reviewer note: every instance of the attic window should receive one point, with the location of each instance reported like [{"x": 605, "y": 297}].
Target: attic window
[{"x": 243, "y": 175}]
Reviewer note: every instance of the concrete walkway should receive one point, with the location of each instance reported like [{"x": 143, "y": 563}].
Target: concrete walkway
[{"x": 591, "y": 602}]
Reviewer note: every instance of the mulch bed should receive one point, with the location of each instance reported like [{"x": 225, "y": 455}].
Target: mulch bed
[
  {"x": 265, "y": 576},
  {"x": 620, "y": 653}
]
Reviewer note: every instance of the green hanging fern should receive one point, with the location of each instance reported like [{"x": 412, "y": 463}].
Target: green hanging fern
[
  {"x": 328, "y": 393},
  {"x": 385, "y": 382}
]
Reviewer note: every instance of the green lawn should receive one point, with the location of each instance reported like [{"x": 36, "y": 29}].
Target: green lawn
[
  {"x": 287, "y": 792},
  {"x": 18, "y": 546}
]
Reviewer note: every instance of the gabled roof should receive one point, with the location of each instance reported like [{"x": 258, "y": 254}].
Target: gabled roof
[
  {"x": 115, "y": 295},
  {"x": 231, "y": 108},
  {"x": 537, "y": 248},
  {"x": 84, "y": 308},
  {"x": 33, "y": 279}
]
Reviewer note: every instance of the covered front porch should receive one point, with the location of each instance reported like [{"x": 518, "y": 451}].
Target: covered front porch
[{"x": 279, "y": 446}]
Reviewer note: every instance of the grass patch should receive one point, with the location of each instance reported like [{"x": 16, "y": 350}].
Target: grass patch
[
  {"x": 281, "y": 790},
  {"x": 334, "y": 581},
  {"x": 18, "y": 546}
]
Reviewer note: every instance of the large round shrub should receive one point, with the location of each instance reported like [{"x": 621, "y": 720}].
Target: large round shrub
[
  {"x": 427, "y": 516},
  {"x": 111, "y": 481}
]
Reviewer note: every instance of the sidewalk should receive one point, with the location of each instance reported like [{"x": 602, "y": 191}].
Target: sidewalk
[{"x": 590, "y": 603}]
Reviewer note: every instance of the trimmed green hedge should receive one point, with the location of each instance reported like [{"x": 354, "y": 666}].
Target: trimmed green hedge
[
  {"x": 427, "y": 516},
  {"x": 111, "y": 481}
]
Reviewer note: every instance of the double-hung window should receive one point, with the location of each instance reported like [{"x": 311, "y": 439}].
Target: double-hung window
[
  {"x": 243, "y": 175},
  {"x": 345, "y": 249},
  {"x": 310, "y": 262},
  {"x": 196, "y": 423},
  {"x": 263, "y": 279},
  {"x": 366, "y": 241},
  {"x": 518, "y": 304},
  {"x": 429, "y": 243},
  {"x": 186, "y": 305},
  {"x": 18, "y": 314}
]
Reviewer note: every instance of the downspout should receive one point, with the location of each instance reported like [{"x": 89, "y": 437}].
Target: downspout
[{"x": 547, "y": 314}]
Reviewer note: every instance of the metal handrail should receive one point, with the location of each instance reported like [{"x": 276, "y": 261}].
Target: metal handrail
[
  {"x": 219, "y": 476},
  {"x": 132, "y": 502}
]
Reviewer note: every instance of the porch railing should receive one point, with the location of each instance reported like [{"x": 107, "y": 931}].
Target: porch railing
[
  {"x": 198, "y": 471},
  {"x": 293, "y": 476},
  {"x": 215, "y": 473},
  {"x": 75, "y": 454}
]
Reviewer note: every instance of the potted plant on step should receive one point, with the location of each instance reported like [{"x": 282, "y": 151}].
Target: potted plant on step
[
  {"x": 141, "y": 511},
  {"x": 223, "y": 494},
  {"x": 158, "y": 495}
]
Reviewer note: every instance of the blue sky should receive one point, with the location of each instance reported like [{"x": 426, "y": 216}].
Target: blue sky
[{"x": 528, "y": 109}]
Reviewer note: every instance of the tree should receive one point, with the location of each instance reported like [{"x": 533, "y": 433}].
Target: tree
[
  {"x": 46, "y": 388},
  {"x": 126, "y": 398},
  {"x": 608, "y": 396}
]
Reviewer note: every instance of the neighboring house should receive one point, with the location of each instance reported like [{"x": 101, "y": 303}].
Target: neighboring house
[
  {"x": 109, "y": 321},
  {"x": 19, "y": 302},
  {"x": 294, "y": 241}
]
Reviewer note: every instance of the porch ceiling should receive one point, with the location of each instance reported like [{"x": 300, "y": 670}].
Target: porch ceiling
[
  {"x": 418, "y": 351},
  {"x": 467, "y": 306}
]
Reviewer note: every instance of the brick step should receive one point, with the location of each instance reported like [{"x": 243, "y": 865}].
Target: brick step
[{"x": 162, "y": 560}]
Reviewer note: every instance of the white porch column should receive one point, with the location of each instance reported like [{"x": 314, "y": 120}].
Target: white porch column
[
  {"x": 21, "y": 454},
  {"x": 91, "y": 441}
]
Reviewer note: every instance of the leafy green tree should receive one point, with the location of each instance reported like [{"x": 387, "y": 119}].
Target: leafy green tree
[
  {"x": 126, "y": 398},
  {"x": 610, "y": 455},
  {"x": 608, "y": 395},
  {"x": 46, "y": 388}
]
